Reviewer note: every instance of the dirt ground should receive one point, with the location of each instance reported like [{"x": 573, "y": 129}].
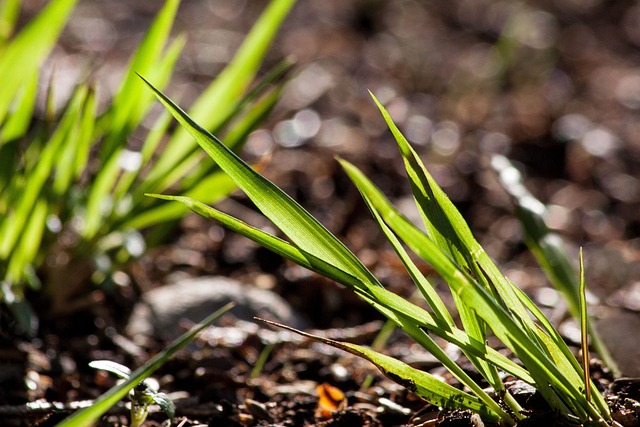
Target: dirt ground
[{"x": 553, "y": 85}]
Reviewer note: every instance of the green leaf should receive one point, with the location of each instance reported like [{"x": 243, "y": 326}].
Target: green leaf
[{"x": 89, "y": 415}]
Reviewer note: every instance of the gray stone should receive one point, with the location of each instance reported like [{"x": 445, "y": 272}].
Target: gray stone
[{"x": 161, "y": 310}]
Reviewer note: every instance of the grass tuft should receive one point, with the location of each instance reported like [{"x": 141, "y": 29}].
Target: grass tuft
[{"x": 488, "y": 303}]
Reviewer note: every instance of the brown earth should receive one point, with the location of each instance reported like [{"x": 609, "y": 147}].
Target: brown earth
[{"x": 553, "y": 85}]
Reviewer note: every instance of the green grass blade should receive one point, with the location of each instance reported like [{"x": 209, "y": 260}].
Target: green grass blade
[
  {"x": 548, "y": 248},
  {"x": 304, "y": 230},
  {"x": 584, "y": 334},
  {"x": 131, "y": 101},
  {"x": 238, "y": 131},
  {"x": 500, "y": 320},
  {"x": 9, "y": 11},
  {"x": 15, "y": 221},
  {"x": 20, "y": 118},
  {"x": 419, "y": 382},
  {"x": 212, "y": 189},
  {"x": 73, "y": 154},
  {"x": 26, "y": 51},
  {"x": 29, "y": 242},
  {"x": 220, "y": 99},
  {"x": 421, "y": 282},
  {"x": 91, "y": 414}
]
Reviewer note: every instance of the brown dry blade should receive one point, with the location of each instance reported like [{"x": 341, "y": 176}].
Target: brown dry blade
[{"x": 421, "y": 383}]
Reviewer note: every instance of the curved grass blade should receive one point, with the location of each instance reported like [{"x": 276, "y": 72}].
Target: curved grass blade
[
  {"x": 303, "y": 230},
  {"x": 89, "y": 415},
  {"x": 421, "y": 383}
]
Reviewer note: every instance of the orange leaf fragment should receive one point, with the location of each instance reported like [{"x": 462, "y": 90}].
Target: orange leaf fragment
[{"x": 330, "y": 399}]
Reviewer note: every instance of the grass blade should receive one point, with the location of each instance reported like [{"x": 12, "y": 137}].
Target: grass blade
[
  {"x": 91, "y": 414},
  {"x": 421, "y": 383},
  {"x": 584, "y": 334},
  {"x": 22, "y": 57},
  {"x": 220, "y": 99},
  {"x": 304, "y": 230}
]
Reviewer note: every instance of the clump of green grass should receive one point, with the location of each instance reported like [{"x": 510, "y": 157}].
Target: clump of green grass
[
  {"x": 486, "y": 300},
  {"x": 72, "y": 186}
]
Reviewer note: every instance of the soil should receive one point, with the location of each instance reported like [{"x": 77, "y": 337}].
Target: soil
[{"x": 551, "y": 84}]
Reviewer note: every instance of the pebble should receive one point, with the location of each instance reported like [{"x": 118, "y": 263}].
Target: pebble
[{"x": 160, "y": 311}]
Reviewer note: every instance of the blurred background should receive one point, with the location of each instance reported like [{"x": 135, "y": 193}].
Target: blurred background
[{"x": 553, "y": 85}]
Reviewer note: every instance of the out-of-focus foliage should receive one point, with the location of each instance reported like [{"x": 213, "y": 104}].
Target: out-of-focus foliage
[{"x": 71, "y": 185}]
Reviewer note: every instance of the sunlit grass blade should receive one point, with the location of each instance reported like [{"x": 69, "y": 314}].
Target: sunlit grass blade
[
  {"x": 9, "y": 11},
  {"x": 73, "y": 154},
  {"x": 194, "y": 168},
  {"x": 548, "y": 249},
  {"x": 132, "y": 100},
  {"x": 236, "y": 132},
  {"x": 428, "y": 292},
  {"x": 421, "y": 383},
  {"x": 15, "y": 221},
  {"x": 212, "y": 189},
  {"x": 21, "y": 115},
  {"x": 29, "y": 242},
  {"x": 584, "y": 334},
  {"x": 304, "y": 230},
  {"x": 220, "y": 99},
  {"x": 22, "y": 56},
  {"x": 91, "y": 414}
]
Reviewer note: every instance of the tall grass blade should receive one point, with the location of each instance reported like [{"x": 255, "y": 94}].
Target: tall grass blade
[
  {"x": 91, "y": 414},
  {"x": 131, "y": 101},
  {"x": 22, "y": 57},
  {"x": 304, "y": 230},
  {"x": 584, "y": 333},
  {"x": 219, "y": 100}
]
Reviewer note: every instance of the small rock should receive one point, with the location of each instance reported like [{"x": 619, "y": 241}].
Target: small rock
[{"x": 161, "y": 310}]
